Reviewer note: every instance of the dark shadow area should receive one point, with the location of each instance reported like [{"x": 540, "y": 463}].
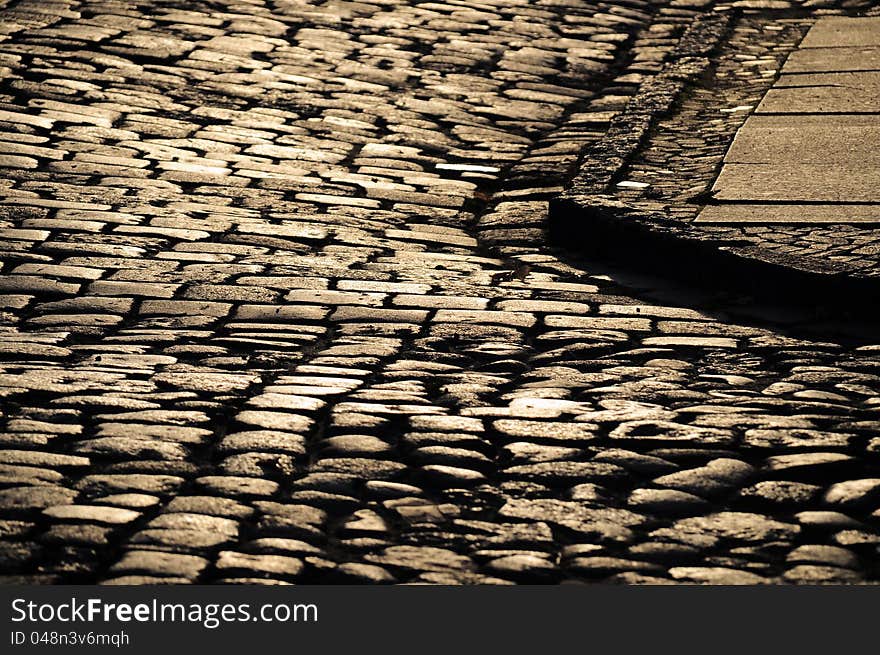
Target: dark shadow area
[{"x": 798, "y": 303}]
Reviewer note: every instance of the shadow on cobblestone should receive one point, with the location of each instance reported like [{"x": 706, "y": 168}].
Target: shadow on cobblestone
[{"x": 642, "y": 185}]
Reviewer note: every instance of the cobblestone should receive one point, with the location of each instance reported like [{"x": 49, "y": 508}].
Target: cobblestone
[{"x": 277, "y": 304}]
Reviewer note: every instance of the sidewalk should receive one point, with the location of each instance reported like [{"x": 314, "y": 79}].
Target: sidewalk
[
  {"x": 277, "y": 305},
  {"x": 814, "y": 139}
]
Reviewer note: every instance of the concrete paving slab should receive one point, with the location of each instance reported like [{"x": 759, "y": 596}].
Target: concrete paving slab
[
  {"x": 826, "y": 138},
  {"x": 811, "y": 121},
  {"x": 821, "y": 100},
  {"x": 827, "y": 60},
  {"x": 219, "y": 329},
  {"x": 789, "y": 213},
  {"x": 843, "y": 31},
  {"x": 788, "y": 182}
]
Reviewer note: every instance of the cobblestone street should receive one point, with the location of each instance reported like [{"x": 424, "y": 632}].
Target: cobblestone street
[{"x": 278, "y": 304}]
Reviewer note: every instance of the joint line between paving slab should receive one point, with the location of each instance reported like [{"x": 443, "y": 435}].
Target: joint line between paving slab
[{"x": 588, "y": 209}]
